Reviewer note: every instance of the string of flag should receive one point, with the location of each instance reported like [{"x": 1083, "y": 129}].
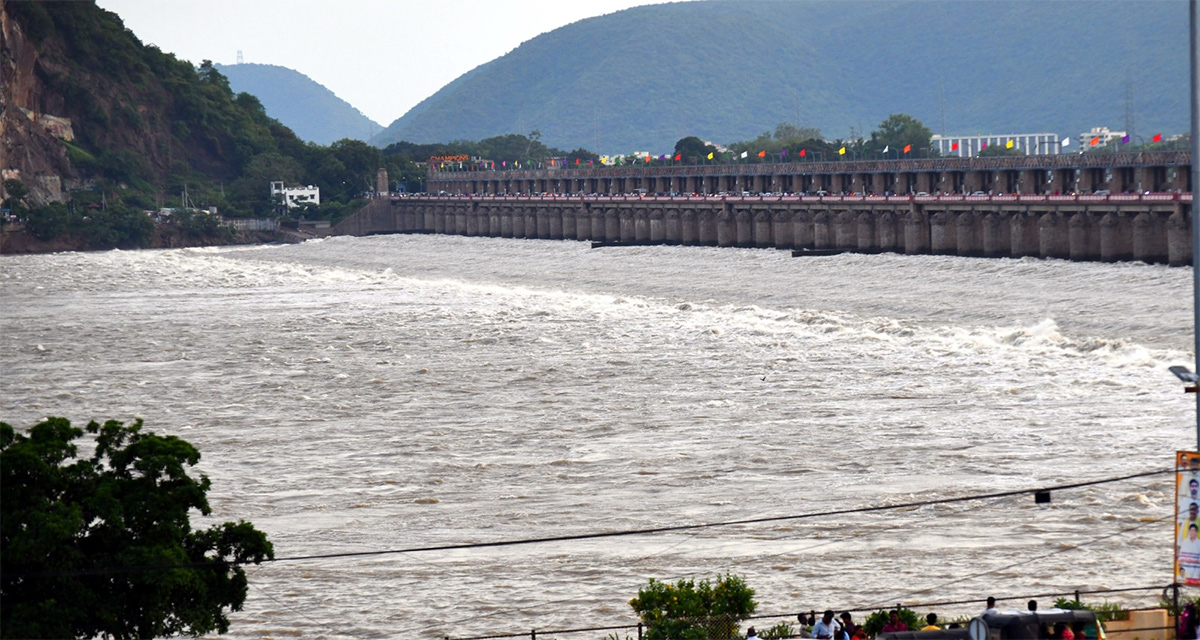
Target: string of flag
[{"x": 470, "y": 164}]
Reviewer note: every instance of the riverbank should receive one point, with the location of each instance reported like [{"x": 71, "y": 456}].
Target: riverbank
[{"x": 18, "y": 241}]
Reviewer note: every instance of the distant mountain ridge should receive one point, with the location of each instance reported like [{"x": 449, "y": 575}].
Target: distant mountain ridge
[
  {"x": 305, "y": 106},
  {"x": 727, "y": 70}
]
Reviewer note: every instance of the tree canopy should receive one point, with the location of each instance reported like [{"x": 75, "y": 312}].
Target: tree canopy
[{"x": 103, "y": 545}]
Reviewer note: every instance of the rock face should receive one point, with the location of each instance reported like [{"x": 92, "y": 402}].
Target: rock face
[{"x": 32, "y": 152}]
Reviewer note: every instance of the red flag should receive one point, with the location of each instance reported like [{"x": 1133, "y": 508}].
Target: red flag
[
  {"x": 762, "y": 154},
  {"x": 803, "y": 152},
  {"x": 576, "y": 160},
  {"x": 589, "y": 163},
  {"x": 678, "y": 157},
  {"x": 1157, "y": 137},
  {"x": 954, "y": 147},
  {"x": 1095, "y": 141},
  {"x": 907, "y": 148}
]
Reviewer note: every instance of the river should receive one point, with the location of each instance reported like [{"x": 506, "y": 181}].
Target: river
[{"x": 392, "y": 392}]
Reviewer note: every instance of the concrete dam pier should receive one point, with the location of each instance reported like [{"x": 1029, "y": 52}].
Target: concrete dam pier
[{"x": 1152, "y": 228}]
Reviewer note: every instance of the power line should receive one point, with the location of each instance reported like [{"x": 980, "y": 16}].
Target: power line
[{"x": 602, "y": 534}]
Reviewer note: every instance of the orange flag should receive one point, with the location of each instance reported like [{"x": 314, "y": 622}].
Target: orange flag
[
  {"x": 907, "y": 148},
  {"x": 762, "y": 154},
  {"x": 1095, "y": 141}
]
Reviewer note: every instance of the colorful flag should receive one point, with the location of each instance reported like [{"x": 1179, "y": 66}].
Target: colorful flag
[
  {"x": 1008, "y": 145},
  {"x": 803, "y": 152},
  {"x": 647, "y": 159},
  {"x": 744, "y": 154},
  {"x": 678, "y": 157},
  {"x": 504, "y": 163},
  {"x": 954, "y": 146},
  {"x": 710, "y": 155},
  {"x": 1157, "y": 137},
  {"x": 907, "y": 148},
  {"x": 886, "y": 147},
  {"x": 783, "y": 154},
  {"x": 982, "y": 146},
  {"x": 842, "y": 151},
  {"x": 576, "y": 160},
  {"x": 762, "y": 154},
  {"x": 1125, "y": 139},
  {"x": 589, "y": 163},
  {"x": 1095, "y": 141},
  {"x": 603, "y": 159}
]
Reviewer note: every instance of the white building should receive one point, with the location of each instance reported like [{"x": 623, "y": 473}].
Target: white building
[
  {"x": 970, "y": 146},
  {"x": 296, "y": 196},
  {"x": 1102, "y": 136}
]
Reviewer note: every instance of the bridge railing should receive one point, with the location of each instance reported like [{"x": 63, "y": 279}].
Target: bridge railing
[
  {"x": 996, "y": 163},
  {"x": 943, "y": 198}
]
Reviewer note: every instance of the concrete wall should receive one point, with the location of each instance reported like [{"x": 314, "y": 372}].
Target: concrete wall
[{"x": 1072, "y": 228}]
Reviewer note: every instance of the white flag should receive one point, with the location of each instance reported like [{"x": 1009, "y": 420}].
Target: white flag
[
  {"x": 886, "y": 147},
  {"x": 1066, "y": 141},
  {"x": 744, "y": 154}
]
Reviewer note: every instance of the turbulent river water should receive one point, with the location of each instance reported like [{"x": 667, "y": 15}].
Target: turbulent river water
[{"x": 397, "y": 392}]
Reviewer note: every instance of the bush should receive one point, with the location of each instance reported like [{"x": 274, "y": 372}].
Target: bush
[
  {"x": 875, "y": 622},
  {"x": 690, "y": 611},
  {"x": 1105, "y": 611}
]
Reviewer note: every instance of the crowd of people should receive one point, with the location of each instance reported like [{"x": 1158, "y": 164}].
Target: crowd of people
[{"x": 843, "y": 627}]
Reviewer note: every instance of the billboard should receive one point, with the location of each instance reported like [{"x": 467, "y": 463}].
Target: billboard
[{"x": 1187, "y": 517}]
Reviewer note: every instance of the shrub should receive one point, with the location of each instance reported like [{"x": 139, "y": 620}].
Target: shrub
[
  {"x": 875, "y": 622},
  {"x": 688, "y": 610}
]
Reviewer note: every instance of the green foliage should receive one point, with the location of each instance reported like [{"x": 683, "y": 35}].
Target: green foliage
[
  {"x": 48, "y": 221},
  {"x": 1105, "y": 611},
  {"x": 693, "y": 149},
  {"x": 781, "y": 630},
  {"x": 15, "y": 191},
  {"x": 999, "y": 150},
  {"x": 900, "y": 130},
  {"x": 97, "y": 546},
  {"x": 688, "y": 610},
  {"x": 116, "y": 227},
  {"x": 875, "y": 622}
]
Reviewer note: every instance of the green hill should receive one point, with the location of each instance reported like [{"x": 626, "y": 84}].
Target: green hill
[
  {"x": 309, "y": 109},
  {"x": 727, "y": 70}
]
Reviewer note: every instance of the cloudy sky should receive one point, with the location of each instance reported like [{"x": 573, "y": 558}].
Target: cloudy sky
[{"x": 382, "y": 56}]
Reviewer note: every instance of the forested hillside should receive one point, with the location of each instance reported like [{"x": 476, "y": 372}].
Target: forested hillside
[
  {"x": 309, "y": 109},
  {"x": 728, "y": 70},
  {"x": 99, "y": 128}
]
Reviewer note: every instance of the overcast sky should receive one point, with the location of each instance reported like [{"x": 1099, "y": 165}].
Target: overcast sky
[{"x": 382, "y": 56}]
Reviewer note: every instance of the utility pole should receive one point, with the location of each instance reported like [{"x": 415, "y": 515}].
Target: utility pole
[{"x": 1194, "y": 22}]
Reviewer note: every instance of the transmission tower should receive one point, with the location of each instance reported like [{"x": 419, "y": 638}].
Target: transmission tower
[{"x": 239, "y": 56}]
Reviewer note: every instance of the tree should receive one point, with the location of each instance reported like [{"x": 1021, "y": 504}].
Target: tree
[
  {"x": 899, "y": 131},
  {"x": 788, "y": 132},
  {"x": 103, "y": 545},
  {"x": 689, "y": 611},
  {"x": 16, "y": 191},
  {"x": 693, "y": 148},
  {"x": 999, "y": 150}
]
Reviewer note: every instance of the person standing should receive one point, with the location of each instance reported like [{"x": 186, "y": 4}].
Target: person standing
[
  {"x": 931, "y": 623},
  {"x": 826, "y": 628},
  {"x": 848, "y": 624},
  {"x": 894, "y": 623},
  {"x": 991, "y": 606}
]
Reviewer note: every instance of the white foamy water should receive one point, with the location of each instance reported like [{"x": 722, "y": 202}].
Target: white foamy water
[{"x": 396, "y": 392}]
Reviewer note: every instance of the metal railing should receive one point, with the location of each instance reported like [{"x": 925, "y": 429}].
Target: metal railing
[{"x": 1167, "y": 593}]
